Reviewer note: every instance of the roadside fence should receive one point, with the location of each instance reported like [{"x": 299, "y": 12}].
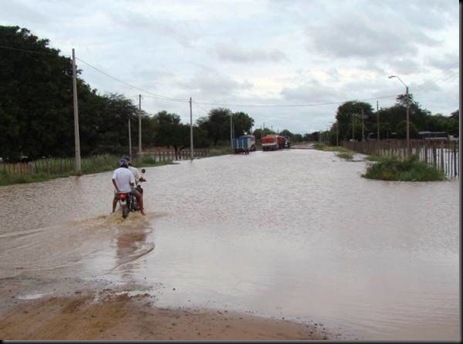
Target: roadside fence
[
  {"x": 442, "y": 154},
  {"x": 169, "y": 154},
  {"x": 66, "y": 166}
]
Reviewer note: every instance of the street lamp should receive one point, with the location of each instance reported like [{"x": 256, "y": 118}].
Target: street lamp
[{"x": 408, "y": 113}]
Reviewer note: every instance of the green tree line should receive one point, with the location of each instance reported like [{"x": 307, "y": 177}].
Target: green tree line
[
  {"x": 37, "y": 114},
  {"x": 391, "y": 122},
  {"x": 356, "y": 120}
]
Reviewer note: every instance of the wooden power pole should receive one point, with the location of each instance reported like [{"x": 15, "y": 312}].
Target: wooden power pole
[
  {"x": 76, "y": 115},
  {"x": 191, "y": 130},
  {"x": 139, "y": 124}
]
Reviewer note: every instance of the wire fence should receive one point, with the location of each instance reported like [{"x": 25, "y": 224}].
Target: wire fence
[
  {"x": 441, "y": 154},
  {"x": 66, "y": 166},
  {"x": 170, "y": 154}
]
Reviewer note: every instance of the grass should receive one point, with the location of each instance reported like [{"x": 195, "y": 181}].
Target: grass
[
  {"x": 220, "y": 150},
  {"x": 390, "y": 167},
  {"x": 47, "y": 169},
  {"x": 342, "y": 152},
  {"x": 393, "y": 168}
]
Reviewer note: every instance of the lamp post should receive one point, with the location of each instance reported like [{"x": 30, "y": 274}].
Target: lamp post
[
  {"x": 191, "y": 131},
  {"x": 408, "y": 112}
]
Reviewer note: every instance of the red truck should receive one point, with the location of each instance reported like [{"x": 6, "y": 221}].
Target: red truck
[{"x": 274, "y": 142}]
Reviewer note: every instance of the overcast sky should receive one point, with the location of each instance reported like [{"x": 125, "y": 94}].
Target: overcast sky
[{"x": 289, "y": 64}]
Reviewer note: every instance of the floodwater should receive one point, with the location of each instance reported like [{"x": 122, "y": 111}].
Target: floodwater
[{"x": 293, "y": 234}]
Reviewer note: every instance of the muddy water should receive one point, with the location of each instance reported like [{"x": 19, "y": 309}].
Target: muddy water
[{"x": 289, "y": 234}]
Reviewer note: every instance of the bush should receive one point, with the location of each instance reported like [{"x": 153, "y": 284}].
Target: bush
[
  {"x": 342, "y": 152},
  {"x": 345, "y": 155},
  {"x": 392, "y": 168}
]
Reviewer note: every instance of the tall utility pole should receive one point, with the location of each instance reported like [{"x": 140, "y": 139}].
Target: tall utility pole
[
  {"x": 408, "y": 123},
  {"x": 231, "y": 130},
  {"x": 76, "y": 115},
  {"x": 408, "y": 113},
  {"x": 139, "y": 124},
  {"x": 363, "y": 127},
  {"x": 130, "y": 140},
  {"x": 191, "y": 130},
  {"x": 377, "y": 121},
  {"x": 353, "y": 137}
]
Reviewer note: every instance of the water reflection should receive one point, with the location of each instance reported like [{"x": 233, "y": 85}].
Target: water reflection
[
  {"x": 131, "y": 247},
  {"x": 295, "y": 234}
]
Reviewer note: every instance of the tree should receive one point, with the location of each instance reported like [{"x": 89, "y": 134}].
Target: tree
[
  {"x": 216, "y": 125},
  {"x": 297, "y": 138},
  {"x": 454, "y": 123},
  {"x": 103, "y": 123},
  {"x": 259, "y": 133},
  {"x": 36, "y": 102},
  {"x": 36, "y": 106},
  {"x": 169, "y": 130},
  {"x": 287, "y": 133},
  {"x": 348, "y": 117},
  {"x": 242, "y": 123}
]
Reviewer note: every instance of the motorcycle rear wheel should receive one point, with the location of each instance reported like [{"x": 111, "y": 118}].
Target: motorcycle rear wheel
[{"x": 125, "y": 211}]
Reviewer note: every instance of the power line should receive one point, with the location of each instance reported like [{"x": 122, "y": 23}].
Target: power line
[
  {"x": 130, "y": 85},
  {"x": 202, "y": 108},
  {"x": 447, "y": 75},
  {"x": 268, "y": 105},
  {"x": 32, "y": 51}
]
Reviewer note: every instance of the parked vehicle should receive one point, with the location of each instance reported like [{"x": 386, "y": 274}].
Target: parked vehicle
[
  {"x": 287, "y": 142},
  {"x": 274, "y": 142},
  {"x": 435, "y": 135},
  {"x": 244, "y": 144}
]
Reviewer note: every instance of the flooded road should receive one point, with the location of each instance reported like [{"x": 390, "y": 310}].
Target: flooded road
[{"x": 292, "y": 234}]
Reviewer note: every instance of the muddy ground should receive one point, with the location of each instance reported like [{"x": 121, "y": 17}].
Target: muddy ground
[{"x": 113, "y": 316}]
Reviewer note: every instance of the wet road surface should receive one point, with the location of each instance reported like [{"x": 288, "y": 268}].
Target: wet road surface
[{"x": 292, "y": 234}]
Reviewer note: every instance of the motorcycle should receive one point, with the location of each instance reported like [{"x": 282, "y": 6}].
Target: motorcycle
[
  {"x": 128, "y": 201},
  {"x": 123, "y": 199}
]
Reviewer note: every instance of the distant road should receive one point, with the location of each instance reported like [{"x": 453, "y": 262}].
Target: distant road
[{"x": 302, "y": 146}]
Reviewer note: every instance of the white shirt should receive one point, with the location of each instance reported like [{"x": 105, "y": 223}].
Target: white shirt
[
  {"x": 123, "y": 178},
  {"x": 136, "y": 174}
]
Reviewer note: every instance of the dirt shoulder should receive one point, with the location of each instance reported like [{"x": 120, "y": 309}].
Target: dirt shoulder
[{"x": 123, "y": 317}]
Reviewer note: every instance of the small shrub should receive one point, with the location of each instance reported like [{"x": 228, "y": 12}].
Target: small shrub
[
  {"x": 220, "y": 150},
  {"x": 319, "y": 146},
  {"x": 392, "y": 168},
  {"x": 345, "y": 155},
  {"x": 342, "y": 152}
]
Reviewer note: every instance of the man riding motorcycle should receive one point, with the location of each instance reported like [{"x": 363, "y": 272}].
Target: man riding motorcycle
[
  {"x": 124, "y": 182},
  {"x": 136, "y": 173}
]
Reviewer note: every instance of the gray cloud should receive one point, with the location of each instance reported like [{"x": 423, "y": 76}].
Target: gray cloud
[
  {"x": 155, "y": 29},
  {"x": 312, "y": 92},
  {"x": 209, "y": 84},
  {"x": 282, "y": 52},
  {"x": 445, "y": 61},
  {"x": 357, "y": 36},
  {"x": 233, "y": 53}
]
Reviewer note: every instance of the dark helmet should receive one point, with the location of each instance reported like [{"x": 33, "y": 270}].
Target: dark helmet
[{"x": 126, "y": 157}]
